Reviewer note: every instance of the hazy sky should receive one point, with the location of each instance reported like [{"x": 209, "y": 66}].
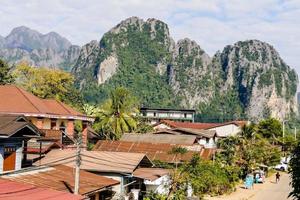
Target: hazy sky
[{"x": 211, "y": 23}]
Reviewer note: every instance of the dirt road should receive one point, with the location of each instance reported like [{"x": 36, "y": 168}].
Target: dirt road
[{"x": 267, "y": 191}]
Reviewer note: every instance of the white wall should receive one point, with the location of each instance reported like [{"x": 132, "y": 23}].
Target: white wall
[
  {"x": 160, "y": 185},
  {"x": 227, "y": 130}
]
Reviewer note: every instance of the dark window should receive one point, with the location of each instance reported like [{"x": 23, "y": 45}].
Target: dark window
[{"x": 53, "y": 124}]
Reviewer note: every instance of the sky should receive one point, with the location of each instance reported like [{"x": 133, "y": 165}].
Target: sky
[{"x": 213, "y": 24}]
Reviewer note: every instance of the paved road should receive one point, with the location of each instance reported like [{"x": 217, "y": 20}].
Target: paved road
[{"x": 267, "y": 191}]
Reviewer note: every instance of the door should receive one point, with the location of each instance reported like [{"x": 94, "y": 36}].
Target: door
[{"x": 9, "y": 159}]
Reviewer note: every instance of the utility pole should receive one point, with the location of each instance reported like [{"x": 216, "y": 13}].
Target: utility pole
[{"x": 77, "y": 168}]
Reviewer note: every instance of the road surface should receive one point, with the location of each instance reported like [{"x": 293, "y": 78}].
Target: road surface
[{"x": 267, "y": 191}]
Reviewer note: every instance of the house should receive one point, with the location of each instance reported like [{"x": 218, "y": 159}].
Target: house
[
  {"x": 62, "y": 178},
  {"x": 155, "y": 179},
  {"x": 119, "y": 166},
  {"x": 155, "y": 151},
  {"x": 11, "y": 190},
  {"x": 207, "y": 138},
  {"x": 15, "y": 131},
  {"x": 222, "y": 129},
  {"x": 47, "y": 114},
  {"x": 155, "y": 115}
]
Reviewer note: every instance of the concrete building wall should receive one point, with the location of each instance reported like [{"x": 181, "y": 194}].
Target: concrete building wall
[{"x": 227, "y": 130}]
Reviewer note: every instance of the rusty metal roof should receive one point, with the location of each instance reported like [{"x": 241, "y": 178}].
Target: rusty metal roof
[
  {"x": 197, "y": 132},
  {"x": 13, "y": 124},
  {"x": 155, "y": 151},
  {"x": 11, "y": 190},
  {"x": 150, "y": 174},
  {"x": 99, "y": 161},
  {"x": 61, "y": 178},
  {"x": 160, "y": 138},
  {"x": 34, "y": 146}
]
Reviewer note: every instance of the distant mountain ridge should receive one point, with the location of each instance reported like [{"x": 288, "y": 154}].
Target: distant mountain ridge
[
  {"x": 49, "y": 50},
  {"x": 248, "y": 79}
]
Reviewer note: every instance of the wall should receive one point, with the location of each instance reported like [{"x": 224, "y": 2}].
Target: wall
[
  {"x": 19, "y": 152},
  {"x": 227, "y": 130},
  {"x": 117, "y": 177},
  {"x": 160, "y": 185}
]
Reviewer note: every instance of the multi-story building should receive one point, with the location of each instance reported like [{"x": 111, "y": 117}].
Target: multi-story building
[
  {"x": 45, "y": 114},
  {"x": 157, "y": 114}
]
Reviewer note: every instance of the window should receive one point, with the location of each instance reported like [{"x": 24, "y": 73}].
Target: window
[{"x": 53, "y": 124}]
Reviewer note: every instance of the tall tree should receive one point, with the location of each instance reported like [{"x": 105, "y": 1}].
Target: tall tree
[
  {"x": 48, "y": 83},
  {"x": 118, "y": 114},
  {"x": 295, "y": 172},
  {"x": 5, "y": 76},
  {"x": 270, "y": 128}
]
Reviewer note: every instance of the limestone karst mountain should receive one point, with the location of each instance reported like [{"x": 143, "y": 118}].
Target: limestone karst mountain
[
  {"x": 246, "y": 79},
  {"x": 50, "y": 50}
]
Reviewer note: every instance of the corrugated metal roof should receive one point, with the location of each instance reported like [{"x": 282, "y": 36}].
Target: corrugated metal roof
[
  {"x": 11, "y": 190},
  {"x": 11, "y": 124},
  {"x": 150, "y": 174},
  {"x": 61, "y": 178},
  {"x": 198, "y": 132},
  {"x": 34, "y": 147},
  {"x": 100, "y": 161},
  {"x": 160, "y": 138},
  {"x": 155, "y": 151},
  {"x": 26, "y": 103},
  {"x": 175, "y": 124}
]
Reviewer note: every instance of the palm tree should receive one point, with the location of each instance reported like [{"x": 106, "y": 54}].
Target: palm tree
[{"x": 118, "y": 114}]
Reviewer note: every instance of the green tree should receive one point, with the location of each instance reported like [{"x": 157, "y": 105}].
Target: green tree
[
  {"x": 5, "y": 76},
  {"x": 270, "y": 128},
  {"x": 118, "y": 114},
  {"x": 208, "y": 177},
  {"x": 48, "y": 83},
  {"x": 295, "y": 172},
  {"x": 179, "y": 177}
]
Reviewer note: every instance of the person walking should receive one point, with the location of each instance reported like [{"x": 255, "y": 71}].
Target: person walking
[{"x": 277, "y": 177}]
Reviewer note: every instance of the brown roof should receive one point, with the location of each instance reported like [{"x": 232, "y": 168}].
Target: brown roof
[
  {"x": 51, "y": 134},
  {"x": 175, "y": 124},
  {"x": 13, "y": 124},
  {"x": 150, "y": 174},
  {"x": 99, "y": 161},
  {"x": 11, "y": 190},
  {"x": 61, "y": 178},
  {"x": 23, "y": 102},
  {"x": 155, "y": 151},
  {"x": 34, "y": 147},
  {"x": 197, "y": 132},
  {"x": 160, "y": 138}
]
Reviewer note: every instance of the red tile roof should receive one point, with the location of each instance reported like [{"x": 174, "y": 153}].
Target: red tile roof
[
  {"x": 155, "y": 151},
  {"x": 11, "y": 190},
  {"x": 175, "y": 124},
  {"x": 15, "y": 100}
]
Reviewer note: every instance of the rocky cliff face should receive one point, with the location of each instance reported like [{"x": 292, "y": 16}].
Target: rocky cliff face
[
  {"x": 50, "y": 50},
  {"x": 246, "y": 79},
  {"x": 264, "y": 83}
]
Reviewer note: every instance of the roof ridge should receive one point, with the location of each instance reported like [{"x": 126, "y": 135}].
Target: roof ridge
[{"x": 22, "y": 92}]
